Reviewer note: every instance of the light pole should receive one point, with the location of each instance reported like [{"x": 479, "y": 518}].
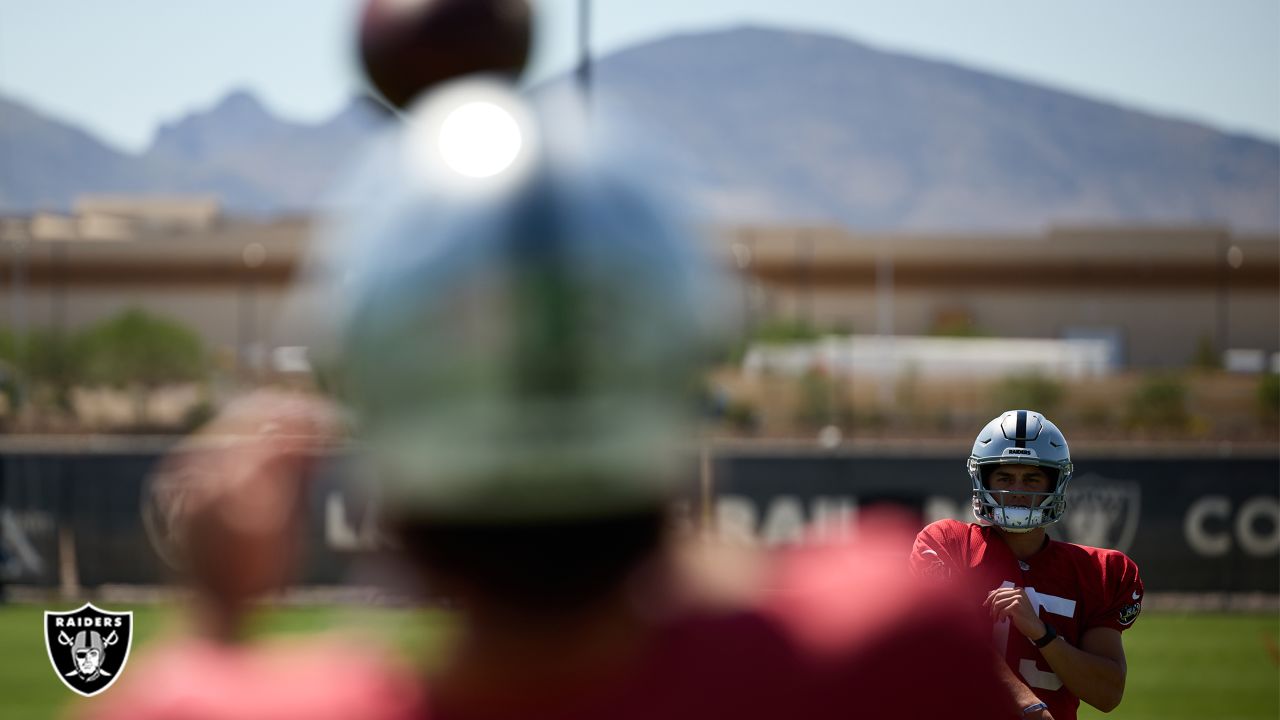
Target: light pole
[
  {"x": 584, "y": 47},
  {"x": 885, "y": 312},
  {"x": 18, "y": 318},
  {"x": 252, "y": 256}
]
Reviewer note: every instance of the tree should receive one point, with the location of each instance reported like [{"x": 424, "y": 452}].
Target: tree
[{"x": 142, "y": 352}]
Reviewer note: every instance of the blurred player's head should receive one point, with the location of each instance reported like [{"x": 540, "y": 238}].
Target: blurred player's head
[
  {"x": 523, "y": 359},
  {"x": 1019, "y": 467}
]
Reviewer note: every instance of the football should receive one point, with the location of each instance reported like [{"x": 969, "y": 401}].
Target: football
[{"x": 408, "y": 46}]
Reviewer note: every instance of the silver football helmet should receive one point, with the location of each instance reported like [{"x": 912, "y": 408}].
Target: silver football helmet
[{"x": 1020, "y": 437}]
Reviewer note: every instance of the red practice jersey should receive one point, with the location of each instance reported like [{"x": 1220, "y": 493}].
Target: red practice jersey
[
  {"x": 1074, "y": 587},
  {"x": 324, "y": 678},
  {"x": 838, "y": 631}
]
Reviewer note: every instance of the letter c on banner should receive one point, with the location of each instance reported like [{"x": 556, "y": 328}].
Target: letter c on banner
[
  {"x": 1259, "y": 544},
  {"x": 1200, "y": 539}
]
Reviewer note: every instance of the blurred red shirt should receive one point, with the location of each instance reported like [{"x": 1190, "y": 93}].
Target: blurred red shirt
[{"x": 829, "y": 631}]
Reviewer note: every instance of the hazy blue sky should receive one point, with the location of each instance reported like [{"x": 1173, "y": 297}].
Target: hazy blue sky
[{"x": 121, "y": 67}]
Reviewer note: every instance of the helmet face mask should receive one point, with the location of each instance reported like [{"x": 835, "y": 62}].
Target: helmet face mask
[{"x": 1020, "y": 437}]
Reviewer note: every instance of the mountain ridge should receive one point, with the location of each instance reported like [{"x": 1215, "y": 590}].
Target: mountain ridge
[{"x": 773, "y": 126}]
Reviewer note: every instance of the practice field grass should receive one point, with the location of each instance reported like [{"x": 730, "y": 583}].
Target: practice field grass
[
  {"x": 1192, "y": 667},
  {"x": 29, "y": 690}
]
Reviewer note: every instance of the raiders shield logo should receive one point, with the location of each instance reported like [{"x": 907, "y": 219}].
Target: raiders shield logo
[
  {"x": 1129, "y": 613},
  {"x": 1101, "y": 512},
  {"x": 88, "y": 647}
]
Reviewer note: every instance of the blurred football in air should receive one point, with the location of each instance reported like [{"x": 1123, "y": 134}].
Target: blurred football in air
[{"x": 409, "y": 46}]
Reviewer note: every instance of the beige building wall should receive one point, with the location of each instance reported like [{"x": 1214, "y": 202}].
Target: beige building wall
[{"x": 1160, "y": 291}]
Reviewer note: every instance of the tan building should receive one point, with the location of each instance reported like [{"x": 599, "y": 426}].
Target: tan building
[
  {"x": 225, "y": 278},
  {"x": 1155, "y": 293}
]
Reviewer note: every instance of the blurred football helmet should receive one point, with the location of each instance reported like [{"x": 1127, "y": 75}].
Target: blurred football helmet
[
  {"x": 1020, "y": 437},
  {"x": 528, "y": 350}
]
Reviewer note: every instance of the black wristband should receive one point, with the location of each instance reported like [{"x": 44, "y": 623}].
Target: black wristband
[{"x": 1049, "y": 635}]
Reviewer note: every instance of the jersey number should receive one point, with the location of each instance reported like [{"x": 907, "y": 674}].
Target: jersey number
[{"x": 1034, "y": 676}]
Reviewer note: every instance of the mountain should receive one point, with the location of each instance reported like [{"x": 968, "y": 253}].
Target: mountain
[
  {"x": 289, "y": 165},
  {"x": 767, "y": 126},
  {"x": 256, "y": 163},
  {"x": 45, "y": 164},
  {"x": 806, "y": 126}
]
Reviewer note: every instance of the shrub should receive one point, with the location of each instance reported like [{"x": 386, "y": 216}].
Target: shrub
[
  {"x": 958, "y": 325},
  {"x": 1160, "y": 403},
  {"x": 51, "y": 360},
  {"x": 815, "y": 406},
  {"x": 1269, "y": 395},
  {"x": 1032, "y": 391},
  {"x": 1206, "y": 356},
  {"x": 1095, "y": 416},
  {"x": 741, "y": 415},
  {"x": 778, "y": 332},
  {"x": 8, "y": 347},
  {"x": 41, "y": 361}
]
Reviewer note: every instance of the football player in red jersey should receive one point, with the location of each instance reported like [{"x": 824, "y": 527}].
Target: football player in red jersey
[{"x": 1058, "y": 608}]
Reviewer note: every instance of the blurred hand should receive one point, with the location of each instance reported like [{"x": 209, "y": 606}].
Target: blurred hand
[{"x": 233, "y": 494}]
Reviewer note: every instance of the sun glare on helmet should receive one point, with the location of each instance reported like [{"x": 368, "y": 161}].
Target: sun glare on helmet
[
  {"x": 479, "y": 139},
  {"x": 474, "y": 135}
]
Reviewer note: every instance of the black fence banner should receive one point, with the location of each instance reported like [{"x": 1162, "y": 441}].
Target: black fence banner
[{"x": 1193, "y": 524}]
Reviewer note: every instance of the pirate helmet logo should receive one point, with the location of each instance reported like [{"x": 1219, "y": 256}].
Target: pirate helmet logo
[
  {"x": 1102, "y": 512},
  {"x": 88, "y": 646}
]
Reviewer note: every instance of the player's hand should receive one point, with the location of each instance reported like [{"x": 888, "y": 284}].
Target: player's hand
[
  {"x": 233, "y": 495},
  {"x": 1013, "y": 604}
]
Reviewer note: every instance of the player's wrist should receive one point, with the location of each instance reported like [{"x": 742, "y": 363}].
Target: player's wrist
[
  {"x": 1032, "y": 628},
  {"x": 1047, "y": 635}
]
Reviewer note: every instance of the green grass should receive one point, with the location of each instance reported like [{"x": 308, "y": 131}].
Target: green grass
[
  {"x": 30, "y": 691},
  {"x": 1219, "y": 667},
  {"x": 1192, "y": 667}
]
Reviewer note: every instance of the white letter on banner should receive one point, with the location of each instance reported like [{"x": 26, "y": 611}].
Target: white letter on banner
[
  {"x": 784, "y": 522},
  {"x": 736, "y": 520},
  {"x": 1197, "y": 537},
  {"x": 1253, "y": 542}
]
